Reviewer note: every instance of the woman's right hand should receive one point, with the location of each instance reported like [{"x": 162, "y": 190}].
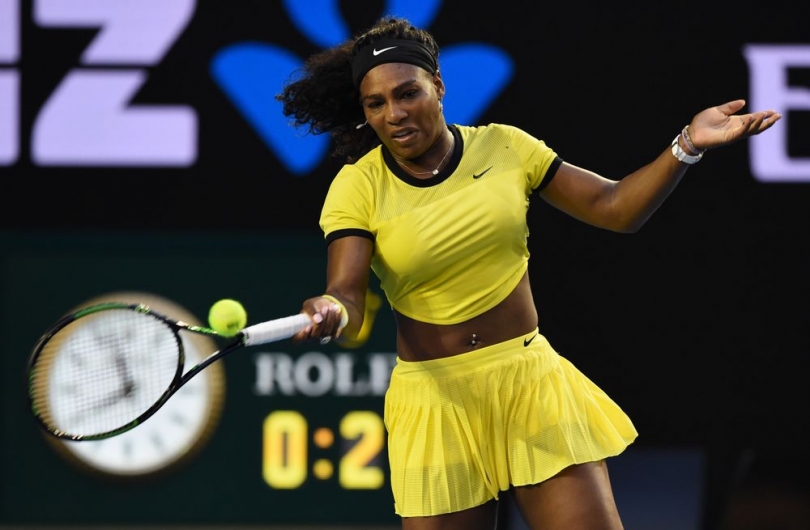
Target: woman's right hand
[{"x": 326, "y": 319}]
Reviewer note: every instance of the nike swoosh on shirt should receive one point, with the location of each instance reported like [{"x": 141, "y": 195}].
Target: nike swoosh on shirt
[
  {"x": 527, "y": 342},
  {"x": 376, "y": 52},
  {"x": 479, "y": 175}
]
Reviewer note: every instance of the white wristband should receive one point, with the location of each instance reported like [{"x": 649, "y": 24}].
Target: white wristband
[{"x": 683, "y": 156}]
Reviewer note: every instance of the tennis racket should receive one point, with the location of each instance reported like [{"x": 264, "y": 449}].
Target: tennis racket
[{"x": 121, "y": 365}]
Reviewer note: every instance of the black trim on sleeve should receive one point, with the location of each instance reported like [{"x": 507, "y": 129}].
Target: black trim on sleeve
[
  {"x": 345, "y": 232},
  {"x": 550, "y": 172}
]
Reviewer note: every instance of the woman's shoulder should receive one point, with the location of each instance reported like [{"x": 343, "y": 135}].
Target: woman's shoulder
[
  {"x": 368, "y": 164},
  {"x": 362, "y": 176},
  {"x": 490, "y": 130}
]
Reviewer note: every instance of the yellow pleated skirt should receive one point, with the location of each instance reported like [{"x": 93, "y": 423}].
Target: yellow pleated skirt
[{"x": 464, "y": 428}]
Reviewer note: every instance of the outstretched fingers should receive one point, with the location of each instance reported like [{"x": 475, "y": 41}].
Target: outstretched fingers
[
  {"x": 757, "y": 122},
  {"x": 769, "y": 117}
]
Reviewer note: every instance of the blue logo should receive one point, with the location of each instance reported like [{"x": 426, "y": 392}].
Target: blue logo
[{"x": 252, "y": 73}]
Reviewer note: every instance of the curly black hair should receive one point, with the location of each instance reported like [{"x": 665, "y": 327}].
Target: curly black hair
[{"x": 322, "y": 96}]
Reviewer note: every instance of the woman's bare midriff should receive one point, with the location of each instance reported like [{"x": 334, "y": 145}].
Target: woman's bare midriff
[{"x": 516, "y": 315}]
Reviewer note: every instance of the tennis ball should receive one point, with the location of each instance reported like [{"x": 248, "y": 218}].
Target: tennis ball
[{"x": 227, "y": 317}]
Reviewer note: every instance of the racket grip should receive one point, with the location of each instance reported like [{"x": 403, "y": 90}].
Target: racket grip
[{"x": 273, "y": 330}]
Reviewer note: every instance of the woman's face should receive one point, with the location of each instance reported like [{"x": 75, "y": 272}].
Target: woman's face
[{"x": 401, "y": 103}]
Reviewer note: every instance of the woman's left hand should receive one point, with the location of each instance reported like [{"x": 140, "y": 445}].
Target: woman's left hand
[{"x": 718, "y": 126}]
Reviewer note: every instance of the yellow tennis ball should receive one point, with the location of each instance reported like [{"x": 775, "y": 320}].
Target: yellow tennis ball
[{"x": 227, "y": 317}]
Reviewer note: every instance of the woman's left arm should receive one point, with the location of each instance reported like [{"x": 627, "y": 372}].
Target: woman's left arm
[{"x": 626, "y": 204}]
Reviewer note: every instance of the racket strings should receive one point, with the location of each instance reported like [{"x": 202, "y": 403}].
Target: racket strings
[{"x": 103, "y": 371}]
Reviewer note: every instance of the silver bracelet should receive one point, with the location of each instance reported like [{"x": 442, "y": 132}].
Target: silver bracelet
[{"x": 688, "y": 141}]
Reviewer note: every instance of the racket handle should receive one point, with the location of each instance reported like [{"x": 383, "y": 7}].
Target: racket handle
[{"x": 273, "y": 330}]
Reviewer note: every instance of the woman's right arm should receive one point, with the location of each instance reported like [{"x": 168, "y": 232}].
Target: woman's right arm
[{"x": 347, "y": 275}]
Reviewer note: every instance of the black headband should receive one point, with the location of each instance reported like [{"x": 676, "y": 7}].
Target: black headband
[{"x": 391, "y": 51}]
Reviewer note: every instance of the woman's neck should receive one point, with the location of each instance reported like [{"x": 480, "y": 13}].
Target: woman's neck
[{"x": 431, "y": 161}]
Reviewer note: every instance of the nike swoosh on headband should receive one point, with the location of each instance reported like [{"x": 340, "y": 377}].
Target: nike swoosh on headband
[{"x": 376, "y": 52}]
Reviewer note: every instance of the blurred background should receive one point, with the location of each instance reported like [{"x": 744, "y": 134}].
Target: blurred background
[{"x": 142, "y": 156}]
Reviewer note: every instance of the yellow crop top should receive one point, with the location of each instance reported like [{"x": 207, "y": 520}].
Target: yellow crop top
[{"x": 448, "y": 248}]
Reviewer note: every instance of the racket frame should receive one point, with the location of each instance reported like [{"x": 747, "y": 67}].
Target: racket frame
[{"x": 178, "y": 380}]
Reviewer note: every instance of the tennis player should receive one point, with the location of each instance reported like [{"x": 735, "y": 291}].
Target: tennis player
[{"x": 479, "y": 401}]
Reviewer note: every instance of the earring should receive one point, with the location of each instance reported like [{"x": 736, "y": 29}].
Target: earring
[
  {"x": 441, "y": 106},
  {"x": 361, "y": 125}
]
